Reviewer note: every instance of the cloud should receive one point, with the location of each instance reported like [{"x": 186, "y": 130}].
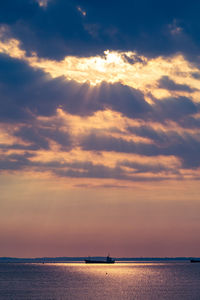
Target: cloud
[
  {"x": 90, "y": 170},
  {"x": 190, "y": 122},
  {"x": 100, "y": 171},
  {"x": 30, "y": 100},
  {"x": 166, "y": 83},
  {"x": 156, "y": 168},
  {"x": 186, "y": 147},
  {"x": 134, "y": 58},
  {"x": 15, "y": 161},
  {"x": 78, "y": 169},
  {"x": 158, "y": 136},
  {"x": 39, "y": 137},
  {"x": 21, "y": 91},
  {"x": 196, "y": 75},
  {"x": 174, "y": 108},
  {"x": 124, "y": 99},
  {"x": 13, "y": 11},
  {"x": 26, "y": 93},
  {"x": 19, "y": 146},
  {"x": 149, "y": 27}
]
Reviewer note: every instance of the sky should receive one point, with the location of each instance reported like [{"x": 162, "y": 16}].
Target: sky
[{"x": 99, "y": 128}]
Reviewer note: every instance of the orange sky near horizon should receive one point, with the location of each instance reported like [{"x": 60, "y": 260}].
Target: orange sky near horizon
[{"x": 48, "y": 218}]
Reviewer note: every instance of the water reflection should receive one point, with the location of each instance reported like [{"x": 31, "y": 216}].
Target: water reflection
[{"x": 82, "y": 281}]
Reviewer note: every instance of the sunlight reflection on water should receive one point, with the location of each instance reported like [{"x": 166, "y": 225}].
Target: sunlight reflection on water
[{"x": 82, "y": 281}]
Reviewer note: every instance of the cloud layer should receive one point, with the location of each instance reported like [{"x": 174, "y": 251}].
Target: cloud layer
[
  {"x": 112, "y": 129},
  {"x": 88, "y": 28}
]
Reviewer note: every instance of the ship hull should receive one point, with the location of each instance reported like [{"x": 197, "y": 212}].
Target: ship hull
[
  {"x": 195, "y": 260},
  {"x": 87, "y": 261}
]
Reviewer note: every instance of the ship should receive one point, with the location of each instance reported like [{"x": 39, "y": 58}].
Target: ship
[
  {"x": 193, "y": 260},
  {"x": 108, "y": 260}
]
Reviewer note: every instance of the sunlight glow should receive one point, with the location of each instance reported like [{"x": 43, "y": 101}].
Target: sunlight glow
[
  {"x": 129, "y": 68},
  {"x": 83, "y": 12},
  {"x": 42, "y": 3}
]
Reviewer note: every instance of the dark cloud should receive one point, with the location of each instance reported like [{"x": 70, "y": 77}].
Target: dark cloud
[
  {"x": 104, "y": 172},
  {"x": 18, "y": 146},
  {"x": 156, "y": 168},
  {"x": 74, "y": 169},
  {"x": 13, "y": 11},
  {"x": 166, "y": 83},
  {"x": 88, "y": 169},
  {"x": 40, "y": 137},
  {"x": 150, "y": 27},
  {"x": 15, "y": 161},
  {"x": 174, "y": 108},
  {"x": 106, "y": 186},
  {"x": 22, "y": 91},
  {"x": 100, "y": 142},
  {"x": 26, "y": 93},
  {"x": 190, "y": 122},
  {"x": 196, "y": 75},
  {"x": 33, "y": 136},
  {"x": 124, "y": 99},
  {"x": 186, "y": 148},
  {"x": 158, "y": 136},
  {"x": 133, "y": 58}
]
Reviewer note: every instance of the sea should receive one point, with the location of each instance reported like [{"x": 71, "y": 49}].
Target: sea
[{"x": 80, "y": 281}]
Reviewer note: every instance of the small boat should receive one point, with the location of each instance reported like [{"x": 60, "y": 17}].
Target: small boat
[
  {"x": 108, "y": 260},
  {"x": 193, "y": 260}
]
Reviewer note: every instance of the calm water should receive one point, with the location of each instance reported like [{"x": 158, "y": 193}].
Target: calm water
[{"x": 81, "y": 281}]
